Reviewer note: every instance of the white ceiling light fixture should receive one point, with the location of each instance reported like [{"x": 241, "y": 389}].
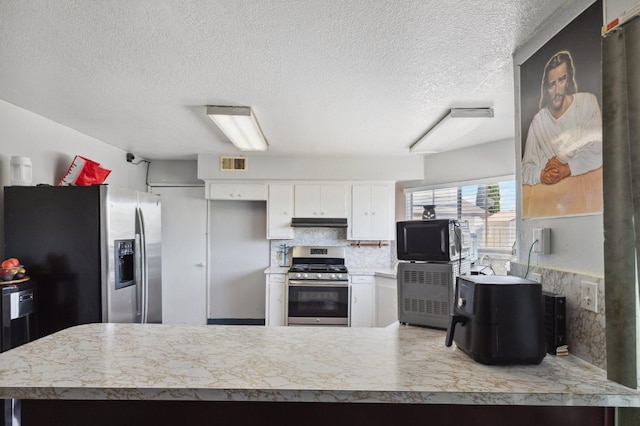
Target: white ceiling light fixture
[
  {"x": 239, "y": 125},
  {"x": 456, "y": 124}
]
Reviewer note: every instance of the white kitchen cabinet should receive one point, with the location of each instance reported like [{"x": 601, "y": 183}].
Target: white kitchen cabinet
[
  {"x": 275, "y": 308},
  {"x": 236, "y": 191},
  {"x": 280, "y": 211},
  {"x": 386, "y": 301},
  {"x": 372, "y": 208},
  {"x": 362, "y": 311},
  {"x": 320, "y": 201}
]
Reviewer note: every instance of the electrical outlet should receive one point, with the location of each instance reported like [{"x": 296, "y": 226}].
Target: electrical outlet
[
  {"x": 589, "y": 296},
  {"x": 541, "y": 240},
  {"x": 536, "y": 277}
]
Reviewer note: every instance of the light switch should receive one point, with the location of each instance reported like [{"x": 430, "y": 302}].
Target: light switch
[{"x": 589, "y": 296}]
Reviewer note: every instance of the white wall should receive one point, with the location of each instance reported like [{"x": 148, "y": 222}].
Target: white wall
[
  {"x": 576, "y": 241},
  {"x": 52, "y": 147},
  {"x": 174, "y": 173},
  {"x": 265, "y": 167},
  {"x": 482, "y": 161}
]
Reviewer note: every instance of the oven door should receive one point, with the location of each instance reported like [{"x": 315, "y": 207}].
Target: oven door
[{"x": 318, "y": 303}]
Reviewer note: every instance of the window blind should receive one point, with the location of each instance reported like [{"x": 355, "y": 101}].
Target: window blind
[{"x": 490, "y": 209}]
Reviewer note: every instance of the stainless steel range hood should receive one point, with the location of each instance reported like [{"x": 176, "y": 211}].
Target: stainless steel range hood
[{"x": 319, "y": 222}]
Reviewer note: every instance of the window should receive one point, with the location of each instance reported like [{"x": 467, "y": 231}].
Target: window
[{"x": 489, "y": 207}]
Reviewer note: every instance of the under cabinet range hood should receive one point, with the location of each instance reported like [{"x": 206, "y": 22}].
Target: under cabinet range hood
[{"x": 318, "y": 222}]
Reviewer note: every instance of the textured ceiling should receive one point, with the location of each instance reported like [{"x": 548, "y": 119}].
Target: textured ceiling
[{"x": 324, "y": 77}]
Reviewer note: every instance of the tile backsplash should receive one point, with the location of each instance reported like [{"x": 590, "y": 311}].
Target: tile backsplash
[
  {"x": 585, "y": 329},
  {"x": 355, "y": 257}
]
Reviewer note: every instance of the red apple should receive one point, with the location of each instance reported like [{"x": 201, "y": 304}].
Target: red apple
[{"x": 12, "y": 262}]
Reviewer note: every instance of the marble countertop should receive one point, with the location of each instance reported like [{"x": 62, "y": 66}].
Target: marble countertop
[
  {"x": 277, "y": 270},
  {"x": 396, "y": 364},
  {"x": 379, "y": 272}
]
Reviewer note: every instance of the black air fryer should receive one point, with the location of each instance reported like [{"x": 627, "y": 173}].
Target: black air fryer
[{"x": 498, "y": 319}]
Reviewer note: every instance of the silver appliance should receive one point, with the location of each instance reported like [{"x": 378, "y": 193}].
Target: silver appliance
[
  {"x": 318, "y": 287},
  {"x": 93, "y": 251}
]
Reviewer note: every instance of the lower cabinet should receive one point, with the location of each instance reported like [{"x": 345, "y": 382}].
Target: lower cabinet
[
  {"x": 362, "y": 313},
  {"x": 386, "y": 301},
  {"x": 275, "y": 309},
  {"x": 286, "y": 413}
]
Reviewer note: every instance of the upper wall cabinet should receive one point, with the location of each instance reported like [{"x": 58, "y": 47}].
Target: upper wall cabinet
[
  {"x": 280, "y": 212},
  {"x": 372, "y": 208},
  {"x": 236, "y": 191},
  {"x": 320, "y": 200}
]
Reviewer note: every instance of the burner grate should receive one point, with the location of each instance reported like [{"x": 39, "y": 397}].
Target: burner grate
[{"x": 318, "y": 268}]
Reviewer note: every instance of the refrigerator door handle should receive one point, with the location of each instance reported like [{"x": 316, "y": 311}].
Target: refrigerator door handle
[
  {"x": 143, "y": 267},
  {"x": 138, "y": 275}
]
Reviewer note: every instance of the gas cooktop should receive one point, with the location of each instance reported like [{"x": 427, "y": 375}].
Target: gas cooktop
[
  {"x": 318, "y": 263},
  {"x": 318, "y": 268}
]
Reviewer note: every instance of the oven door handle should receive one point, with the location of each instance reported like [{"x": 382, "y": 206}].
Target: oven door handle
[{"x": 317, "y": 283}]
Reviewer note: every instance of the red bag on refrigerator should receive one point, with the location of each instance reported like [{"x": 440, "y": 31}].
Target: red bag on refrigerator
[{"x": 84, "y": 172}]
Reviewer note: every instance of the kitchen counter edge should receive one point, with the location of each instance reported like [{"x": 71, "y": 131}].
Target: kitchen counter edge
[{"x": 396, "y": 364}]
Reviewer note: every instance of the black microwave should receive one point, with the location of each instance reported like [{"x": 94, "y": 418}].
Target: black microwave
[{"x": 433, "y": 240}]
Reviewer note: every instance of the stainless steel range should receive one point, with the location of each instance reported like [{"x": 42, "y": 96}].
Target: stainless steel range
[{"x": 318, "y": 289}]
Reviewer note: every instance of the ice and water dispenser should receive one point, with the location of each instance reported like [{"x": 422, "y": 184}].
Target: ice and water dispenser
[{"x": 125, "y": 263}]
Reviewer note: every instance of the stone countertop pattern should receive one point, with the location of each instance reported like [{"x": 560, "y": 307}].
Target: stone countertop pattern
[
  {"x": 378, "y": 272},
  {"x": 276, "y": 270},
  {"x": 396, "y": 364}
]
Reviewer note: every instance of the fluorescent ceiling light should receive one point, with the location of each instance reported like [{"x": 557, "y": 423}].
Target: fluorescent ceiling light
[
  {"x": 240, "y": 126},
  {"x": 456, "y": 124}
]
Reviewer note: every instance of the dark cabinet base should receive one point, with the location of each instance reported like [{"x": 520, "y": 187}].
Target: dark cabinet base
[{"x": 98, "y": 413}]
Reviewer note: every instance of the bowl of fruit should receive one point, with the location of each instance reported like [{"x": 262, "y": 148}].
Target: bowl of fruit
[{"x": 11, "y": 269}]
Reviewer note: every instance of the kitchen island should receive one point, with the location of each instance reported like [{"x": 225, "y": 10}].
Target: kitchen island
[{"x": 84, "y": 368}]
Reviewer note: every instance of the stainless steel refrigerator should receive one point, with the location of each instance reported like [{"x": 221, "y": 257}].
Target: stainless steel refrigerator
[{"x": 93, "y": 252}]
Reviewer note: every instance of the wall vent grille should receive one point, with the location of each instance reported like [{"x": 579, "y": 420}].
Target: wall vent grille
[{"x": 233, "y": 163}]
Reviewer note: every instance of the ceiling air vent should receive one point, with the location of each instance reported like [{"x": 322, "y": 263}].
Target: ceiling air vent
[{"x": 233, "y": 163}]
